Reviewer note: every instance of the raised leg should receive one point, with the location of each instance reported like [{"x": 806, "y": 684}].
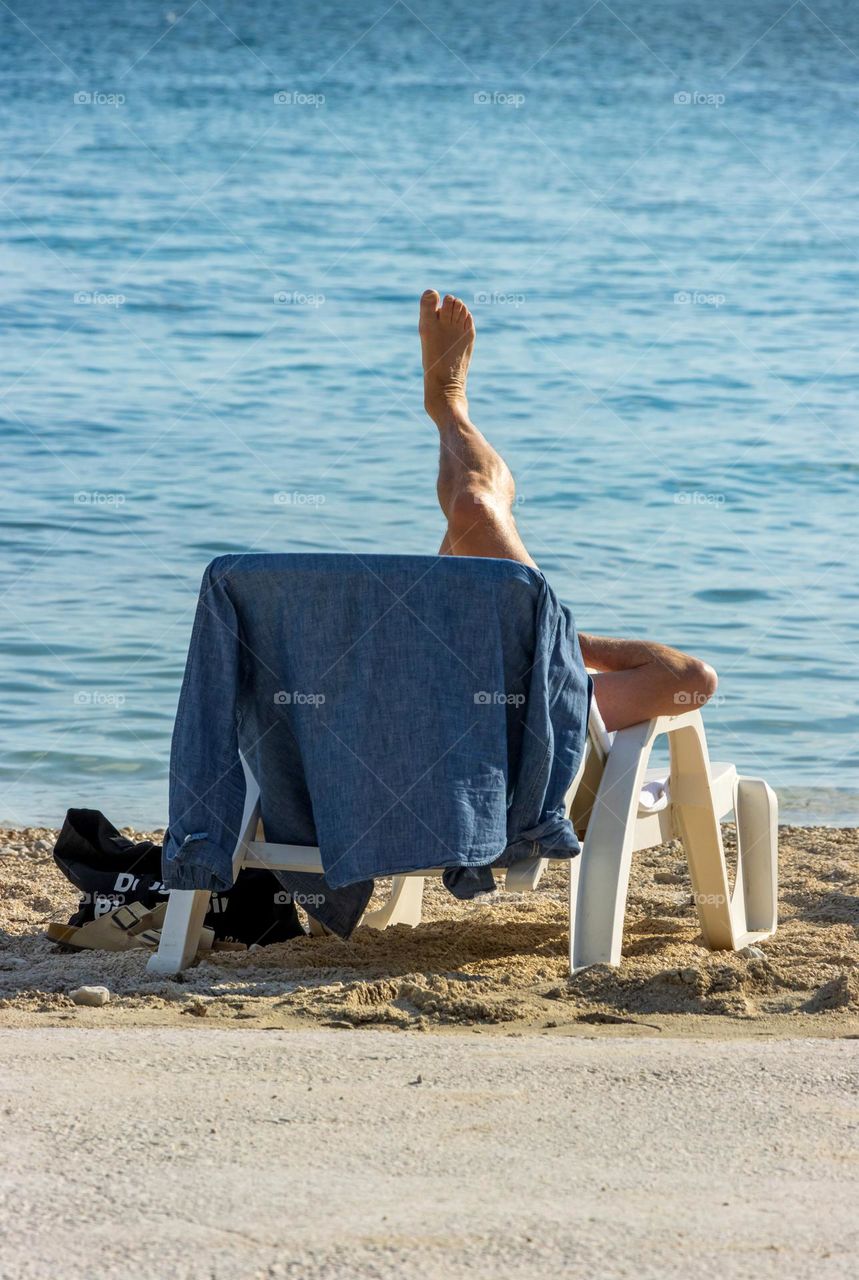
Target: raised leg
[{"x": 475, "y": 487}]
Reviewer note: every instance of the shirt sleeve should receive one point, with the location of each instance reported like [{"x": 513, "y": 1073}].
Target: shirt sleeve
[
  {"x": 556, "y": 720},
  {"x": 207, "y": 780}
]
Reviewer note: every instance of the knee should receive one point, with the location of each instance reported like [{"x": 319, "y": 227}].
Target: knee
[{"x": 698, "y": 682}]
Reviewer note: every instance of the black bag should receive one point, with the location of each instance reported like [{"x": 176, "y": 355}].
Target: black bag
[{"x": 110, "y": 870}]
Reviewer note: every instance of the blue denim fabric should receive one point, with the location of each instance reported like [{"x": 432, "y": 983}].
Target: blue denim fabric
[{"x": 400, "y": 712}]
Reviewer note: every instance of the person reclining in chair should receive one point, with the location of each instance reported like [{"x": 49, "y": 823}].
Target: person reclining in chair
[{"x": 636, "y": 679}]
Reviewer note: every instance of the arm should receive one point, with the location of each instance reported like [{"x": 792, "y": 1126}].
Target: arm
[{"x": 639, "y": 679}]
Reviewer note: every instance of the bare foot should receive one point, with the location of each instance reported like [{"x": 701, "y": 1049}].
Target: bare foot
[
  {"x": 471, "y": 475},
  {"x": 447, "y": 341}
]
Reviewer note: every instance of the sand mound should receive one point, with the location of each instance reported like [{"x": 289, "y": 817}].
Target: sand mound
[{"x": 496, "y": 963}]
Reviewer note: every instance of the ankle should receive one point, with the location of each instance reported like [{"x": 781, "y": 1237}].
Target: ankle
[{"x": 448, "y": 411}]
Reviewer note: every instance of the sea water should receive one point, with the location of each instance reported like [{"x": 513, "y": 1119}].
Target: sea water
[{"x": 216, "y": 222}]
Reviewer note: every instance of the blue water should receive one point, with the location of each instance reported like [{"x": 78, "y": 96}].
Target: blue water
[{"x": 247, "y": 376}]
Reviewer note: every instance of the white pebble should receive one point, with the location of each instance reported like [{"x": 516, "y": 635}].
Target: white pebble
[{"x": 95, "y": 996}]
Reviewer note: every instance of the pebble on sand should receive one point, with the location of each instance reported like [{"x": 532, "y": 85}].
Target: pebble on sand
[{"x": 95, "y": 996}]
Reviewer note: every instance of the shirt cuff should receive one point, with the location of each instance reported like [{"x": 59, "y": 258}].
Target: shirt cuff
[
  {"x": 196, "y": 863},
  {"x": 555, "y": 838}
]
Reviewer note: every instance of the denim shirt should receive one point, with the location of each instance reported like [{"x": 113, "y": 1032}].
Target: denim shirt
[{"x": 400, "y": 712}]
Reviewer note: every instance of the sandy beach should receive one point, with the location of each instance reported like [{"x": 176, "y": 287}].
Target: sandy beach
[
  {"x": 371, "y": 374},
  {"x": 312, "y": 1155},
  {"x": 444, "y": 1100},
  {"x": 497, "y": 966}
]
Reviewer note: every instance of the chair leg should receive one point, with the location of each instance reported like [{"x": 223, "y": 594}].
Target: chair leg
[
  {"x": 524, "y": 876},
  {"x": 403, "y": 906},
  {"x": 697, "y": 825},
  {"x": 599, "y": 877},
  {"x": 180, "y": 936},
  {"x": 315, "y": 928},
  {"x": 186, "y": 908},
  {"x": 729, "y": 920},
  {"x": 754, "y": 905}
]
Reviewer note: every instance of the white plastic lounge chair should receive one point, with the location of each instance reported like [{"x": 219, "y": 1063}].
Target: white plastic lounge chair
[
  {"x": 616, "y": 814},
  {"x": 613, "y": 812}
]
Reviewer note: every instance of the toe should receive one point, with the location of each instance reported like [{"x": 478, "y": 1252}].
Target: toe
[
  {"x": 447, "y": 306},
  {"x": 462, "y": 315},
  {"x": 429, "y": 304}
]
